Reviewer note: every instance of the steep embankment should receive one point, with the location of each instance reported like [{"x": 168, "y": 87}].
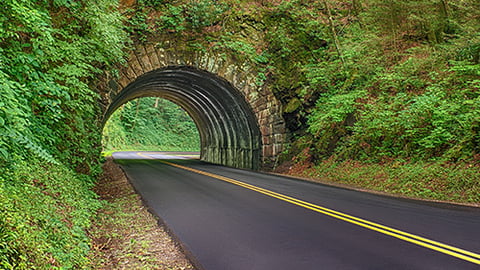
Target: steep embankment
[{"x": 50, "y": 53}]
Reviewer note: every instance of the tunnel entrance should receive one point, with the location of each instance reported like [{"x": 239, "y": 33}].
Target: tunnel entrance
[{"x": 228, "y": 129}]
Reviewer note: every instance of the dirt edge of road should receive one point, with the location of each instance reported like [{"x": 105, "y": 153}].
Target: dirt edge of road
[{"x": 125, "y": 235}]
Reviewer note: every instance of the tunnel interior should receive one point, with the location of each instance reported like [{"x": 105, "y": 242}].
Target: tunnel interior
[{"x": 228, "y": 128}]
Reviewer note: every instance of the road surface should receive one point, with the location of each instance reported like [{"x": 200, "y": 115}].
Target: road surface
[{"x": 235, "y": 219}]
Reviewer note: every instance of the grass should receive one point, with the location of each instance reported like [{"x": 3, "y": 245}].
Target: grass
[{"x": 443, "y": 181}]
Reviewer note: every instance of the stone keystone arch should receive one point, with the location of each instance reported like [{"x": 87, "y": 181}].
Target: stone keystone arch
[{"x": 239, "y": 122}]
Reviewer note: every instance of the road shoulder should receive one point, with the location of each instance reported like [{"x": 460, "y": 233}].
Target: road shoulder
[{"x": 125, "y": 235}]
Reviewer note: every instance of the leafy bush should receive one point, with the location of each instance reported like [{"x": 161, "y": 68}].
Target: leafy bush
[
  {"x": 205, "y": 13},
  {"x": 50, "y": 54},
  {"x": 420, "y": 102},
  {"x": 47, "y": 208},
  {"x": 173, "y": 19}
]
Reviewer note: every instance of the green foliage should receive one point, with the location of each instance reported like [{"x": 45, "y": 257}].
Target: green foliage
[
  {"x": 10, "y": 254},
  {"x": 173, "y": 19},
  {"x": 415, "y": 20},
  {"x": 152, "y": 3},
  {"x": 46, "y": 209},
  {"x": 333, "y": 109},
  {"x": 138, "y": 26},
  {"x": 407, "y": 88},
  {"x": 437, "y": 180},
  {"x": 50, "y": 54},
  {"x": 150, "y": 123},
  {"x": 150, "y": 16},
  {"x": 46, "y": 63},
  {"x": 205, "y": 13},
  {"x": 296, "y": 38}
]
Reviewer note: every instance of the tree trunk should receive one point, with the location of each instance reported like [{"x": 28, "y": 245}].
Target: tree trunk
[{"x": 136, "y": 114}]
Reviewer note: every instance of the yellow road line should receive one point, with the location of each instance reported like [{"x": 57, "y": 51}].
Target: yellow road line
[{"x": 415, "y": 239}]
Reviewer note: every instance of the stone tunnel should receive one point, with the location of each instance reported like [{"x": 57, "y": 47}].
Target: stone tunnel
[{"x": 239, "y": 122}]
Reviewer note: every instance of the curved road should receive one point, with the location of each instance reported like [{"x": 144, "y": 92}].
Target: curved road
[{"x": 236, "y": 219}]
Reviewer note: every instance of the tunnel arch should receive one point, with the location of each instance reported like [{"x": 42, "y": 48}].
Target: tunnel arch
[
  {"x": 228, "y": 127},
  {"x": 163, "y": 53}
]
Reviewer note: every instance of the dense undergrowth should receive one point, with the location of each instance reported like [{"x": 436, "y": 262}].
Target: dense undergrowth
[
  {"x": 45, "y": 210},
  {"x": 50, "y": 54},
  {"x": 385, "y": 87}
]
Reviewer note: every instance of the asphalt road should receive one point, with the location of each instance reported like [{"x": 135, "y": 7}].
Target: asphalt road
[{"x": 269, "y": 222}]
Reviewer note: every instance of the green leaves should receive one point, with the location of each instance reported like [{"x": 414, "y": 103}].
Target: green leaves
[
  {"x": 409, "y": 86},
  {"x": 44, "y": 209},
  {"x": 173, "y": 19},
  {"x": 50, "y": 53},
  {"x": 333, "y": 109},
  {"x": 205, "y": 13},
  {"x": 152, "y": 123}
]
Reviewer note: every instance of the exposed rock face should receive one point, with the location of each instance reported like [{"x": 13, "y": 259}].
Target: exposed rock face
[{"x": 240, "y": 123}]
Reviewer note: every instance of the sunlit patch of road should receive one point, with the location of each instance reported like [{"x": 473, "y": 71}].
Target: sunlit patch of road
[{"x": 156, "y": 155}]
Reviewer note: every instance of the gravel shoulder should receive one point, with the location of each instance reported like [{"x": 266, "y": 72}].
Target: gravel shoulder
[{"x": 125, "y": 235}]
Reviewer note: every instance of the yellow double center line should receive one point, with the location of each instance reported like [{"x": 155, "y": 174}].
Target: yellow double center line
[{"x": 415, "y": 239}]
